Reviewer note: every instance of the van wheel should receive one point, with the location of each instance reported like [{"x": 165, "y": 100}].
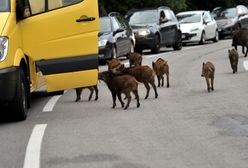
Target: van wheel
[
  {"x": 19, "y": 105},
  {"x": 178, "y": 44},
  {"x": 156, "y": 48}
]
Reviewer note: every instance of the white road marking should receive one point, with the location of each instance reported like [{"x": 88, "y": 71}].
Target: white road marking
[
  {"x": 32, "y": 157},
  {"x": 245, "y": 63},
  {"x": 51, "y": 103}
]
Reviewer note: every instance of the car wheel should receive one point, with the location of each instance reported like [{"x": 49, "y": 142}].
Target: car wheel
[
  {"x": 156, "y": 48},
  {"x": 19, "y": 105},
  {"x": 216, "y": 38},
  {"x": 178, "y": 45},
  {"x": 203, "y": 38},
  {"x": 114, "y": 52}
]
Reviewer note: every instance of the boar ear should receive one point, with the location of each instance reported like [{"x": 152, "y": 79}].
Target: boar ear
[
  {"x": 153, "y": 64},
  {"x": 203, "y": 63}
]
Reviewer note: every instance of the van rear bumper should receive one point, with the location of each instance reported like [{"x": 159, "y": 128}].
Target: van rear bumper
[{"x": 8, "y": 83}]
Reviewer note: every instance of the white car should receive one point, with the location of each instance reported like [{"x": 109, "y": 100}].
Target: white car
[{"x": 197, "y": 26}]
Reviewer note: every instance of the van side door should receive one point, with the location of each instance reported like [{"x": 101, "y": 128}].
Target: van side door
[{"x": 61, "y": 37}]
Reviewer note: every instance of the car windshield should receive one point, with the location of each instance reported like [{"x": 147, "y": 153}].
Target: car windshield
[
  {"x": 189, "y": 18},
  {"x": 144, "y": 17},
  {"x": 225, "y": 13},
  {"x": 105, "y": 25},
  {"x": 4, "y": 5}
]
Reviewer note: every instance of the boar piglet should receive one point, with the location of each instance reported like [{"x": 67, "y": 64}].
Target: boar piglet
[
  {"x": 119, "y": 84},
  {"x": 234, "y": 59},
  {"x": 208, "y": 71},
  {"x": 143, "y": 74},
  {"x": 135, "y": 59},
  {"x": 91, "y": 88},
  {"x": 161, "y": 67}
]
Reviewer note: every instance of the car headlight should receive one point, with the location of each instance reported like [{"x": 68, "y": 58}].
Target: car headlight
[
  {"x": 194, "y": 29},
  {"x": 4, "y": 43},
  {"x": 144, "y": 32},
  {"x": 102, "y": 43}
]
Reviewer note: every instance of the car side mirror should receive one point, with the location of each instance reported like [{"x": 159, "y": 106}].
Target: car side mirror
[{"x": 118, "y": 31}]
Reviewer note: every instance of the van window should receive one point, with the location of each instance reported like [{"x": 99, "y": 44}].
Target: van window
[
  {"x": 4, "y": 5},
  {"x": 39, "y": 6}
]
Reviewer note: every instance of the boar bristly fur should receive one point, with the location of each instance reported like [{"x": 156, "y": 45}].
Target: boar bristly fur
[
  {"x": 161, "y": 67},
  {"x": 234, "y": 59},
  {"x": 240, "y": 37},
  {"x": 208, "y": 71},
  {"x": 114, "y": 63},
  {"x": 143, "y": 74},
  {"x": 118, "y": 84}
]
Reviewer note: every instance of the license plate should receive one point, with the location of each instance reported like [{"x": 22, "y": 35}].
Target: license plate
[{"x": 101, "y": 55}]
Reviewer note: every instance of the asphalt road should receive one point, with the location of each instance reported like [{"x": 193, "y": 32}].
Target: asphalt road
[{"x": 186, "y": 127}]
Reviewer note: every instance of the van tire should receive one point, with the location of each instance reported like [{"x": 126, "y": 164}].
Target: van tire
[{"x": 19, "y": 105}]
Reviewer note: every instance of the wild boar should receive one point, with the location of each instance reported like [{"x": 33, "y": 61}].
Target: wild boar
[
  {"x": 240, "y": 37},
  {"x": 135, "y": 59},
  {"x": 91, "y": 88},
  {"x": 208, "y": 71},
  {"x": 234, "y": 59},
  {"x": 161, "y": 67},
  {"x": 143, "y": 74},
  {"x": 118, "y": 84},
  {"x": 114, "y": 63}
]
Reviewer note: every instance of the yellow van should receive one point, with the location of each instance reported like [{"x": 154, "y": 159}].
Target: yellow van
[{"x": 51, "y": 42}]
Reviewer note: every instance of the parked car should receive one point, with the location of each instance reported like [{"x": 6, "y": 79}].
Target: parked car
[
  {"x": 197, "y": 26},
  {"x": 153, "y": 32},
  {"x": 230, "y": 19},
  {"x": 115, "y": 37}
]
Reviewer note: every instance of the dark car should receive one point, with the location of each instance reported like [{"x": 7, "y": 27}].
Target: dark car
[
  {"x": 154, "y": 28},
  {"x": 230, "y": 19},
  {"x": 115, "y": 37}
]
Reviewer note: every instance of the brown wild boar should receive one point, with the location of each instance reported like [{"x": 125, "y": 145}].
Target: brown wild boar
[
  {"x": 240, "y": 37},
  {"x": 161, "y": 67},
  {"x": 234, "y": 59},
  {"x": 135, "y": 59},
  {"x": 142, "y": 74},
  {"x": 208, "y": 71},
  {"x": 114, "y": 63},
  {"x": 91, "y": 88},
  {"x": 118, "y": 84}
]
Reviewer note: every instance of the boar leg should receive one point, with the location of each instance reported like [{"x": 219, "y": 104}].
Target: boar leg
[
  {"x": 120, "y": 99},
  {"x": 91, "y": 92},
  {"x": 128, "y": 99},
  {"x": 147, "y": 89},
  {"x": 212, "y": 83},
  {"x": 96, "y": 91},
  {"x": 154, "y": 88},
  {"x": 207, "y": 80},
  {"x": 114, "y": 99},
  {"x": 135, "y": 92},
  {"x": 78, "y": 93},
  {"x": 168, "y": 80},
  {"x": 158, "y": 80}
]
